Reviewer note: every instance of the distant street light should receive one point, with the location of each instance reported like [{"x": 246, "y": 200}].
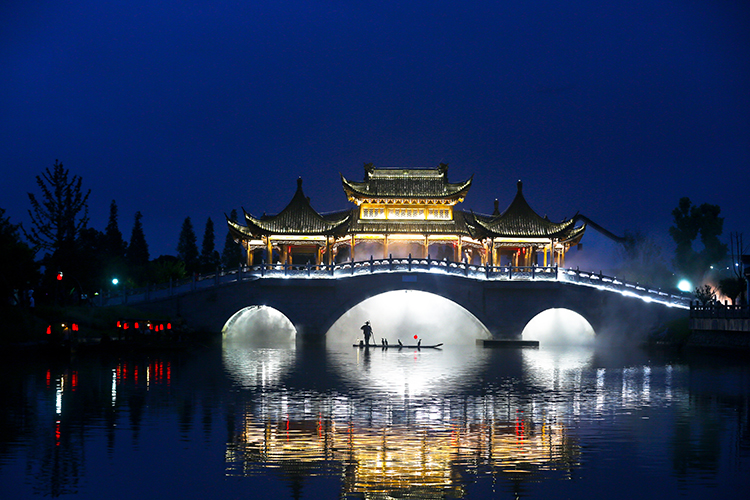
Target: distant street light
[
  {"x": 684, "y": 286},
  {"x": 115, "y": 281}
]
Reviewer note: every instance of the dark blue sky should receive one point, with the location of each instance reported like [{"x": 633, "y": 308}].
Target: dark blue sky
[{"x": 614, "y": 109}]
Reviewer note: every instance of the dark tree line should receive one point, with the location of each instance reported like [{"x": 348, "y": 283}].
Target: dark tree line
[{"x": 79, "y": 261}]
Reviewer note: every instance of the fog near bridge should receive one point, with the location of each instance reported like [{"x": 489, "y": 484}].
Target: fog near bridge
[{"x": 406, "y": 315}]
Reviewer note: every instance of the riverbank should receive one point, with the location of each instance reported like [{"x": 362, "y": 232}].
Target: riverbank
[{"x": 95, "y": 329}]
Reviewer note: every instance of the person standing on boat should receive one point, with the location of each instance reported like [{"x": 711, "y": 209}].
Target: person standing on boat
[{"x": 367, "y": 330}]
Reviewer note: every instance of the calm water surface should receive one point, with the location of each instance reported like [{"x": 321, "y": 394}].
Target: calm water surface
[{"x": 464, "y": 422}]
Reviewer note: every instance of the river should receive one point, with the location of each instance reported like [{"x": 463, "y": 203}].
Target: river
[{"x": 340, "y": 422}]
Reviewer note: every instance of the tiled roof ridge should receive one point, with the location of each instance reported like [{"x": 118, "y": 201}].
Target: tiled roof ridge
[{"x": 288, "y": 220}]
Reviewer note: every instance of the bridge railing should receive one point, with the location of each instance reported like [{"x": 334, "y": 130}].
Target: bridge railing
[
  {"x": 719, "y": 310},
  {"x": 409, "y": 264}
]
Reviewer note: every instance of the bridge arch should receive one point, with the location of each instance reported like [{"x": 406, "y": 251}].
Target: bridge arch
[
  {"x": 504, "y": 307},
  {"x": 400, "y": 314},
  {"x": 559, "y": 326},
  {"x": 259, "y": 324}
]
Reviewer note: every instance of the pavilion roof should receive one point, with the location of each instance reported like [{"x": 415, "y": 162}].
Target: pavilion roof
[
  {"x": 399, "y": 183},
  {"x": 298, "y": 218},
  {"x": 519, "y": 220}
]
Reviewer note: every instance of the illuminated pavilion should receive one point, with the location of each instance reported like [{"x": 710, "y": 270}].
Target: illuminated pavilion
[{"x": 402, "y": 212}]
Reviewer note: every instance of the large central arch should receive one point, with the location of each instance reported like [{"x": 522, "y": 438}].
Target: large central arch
[{"x": 402, "y": 314}]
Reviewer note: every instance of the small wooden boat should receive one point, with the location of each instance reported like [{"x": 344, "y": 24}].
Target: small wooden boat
[{"x": 396, "y": 346}]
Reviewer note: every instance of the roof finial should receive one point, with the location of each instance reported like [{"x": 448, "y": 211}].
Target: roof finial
[
  {"x": 299, "y": 182},
  {"x": 520, "y": 185},
  {"x": 497, "y": 208}
]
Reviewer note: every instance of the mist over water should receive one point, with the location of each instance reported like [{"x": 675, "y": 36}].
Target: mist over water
[
  {"x": 559, "y": 327},
  {"x": 261, "y": 326},
  {"x": 402, "y": 314}
]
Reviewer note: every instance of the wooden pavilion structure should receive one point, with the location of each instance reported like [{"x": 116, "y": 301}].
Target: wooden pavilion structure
[{"x": 404, "y": 212}]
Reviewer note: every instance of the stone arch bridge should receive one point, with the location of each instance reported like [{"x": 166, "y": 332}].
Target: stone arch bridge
[{"x": 503, "y": 299}]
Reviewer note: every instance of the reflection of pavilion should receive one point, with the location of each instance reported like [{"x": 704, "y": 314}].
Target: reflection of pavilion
[
  {"x": 406, "y": 211},
  {"x": 385, "y": 458}
]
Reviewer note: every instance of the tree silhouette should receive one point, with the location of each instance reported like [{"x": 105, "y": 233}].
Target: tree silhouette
[
  {"x": 114, "y": 243},
  {"x": 18, "y": 270},
  {"x": 113, "y": 248},
  {"x": 137, "y": 252},
  {"x": 689, "y": 222},
  {"x": 57, "y": 218},
  {"x": 60, "y": 214},
  {"x": 231, "y": 255},
  {"x": 187, "y": 246},
  {"x": 209, "y": 257}
]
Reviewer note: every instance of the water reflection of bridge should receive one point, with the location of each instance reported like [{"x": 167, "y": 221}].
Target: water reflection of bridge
[
  {"x": 430, "y": 444},
  {"x": 431, "y": 459},
  {"x": 502, "y": 298}
]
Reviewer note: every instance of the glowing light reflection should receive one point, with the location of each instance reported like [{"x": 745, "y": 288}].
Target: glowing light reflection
[
  {"x": 251, "y": 366},
  {"x": 59, "y": 388},
  {"x": 409, "y": 372}
]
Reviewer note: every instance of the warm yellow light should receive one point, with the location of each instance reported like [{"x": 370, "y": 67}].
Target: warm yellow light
[
  {"x": 405, "y": 236},
  {"x": 297, "y": 238},
  {"x": 545, "y": 241}
]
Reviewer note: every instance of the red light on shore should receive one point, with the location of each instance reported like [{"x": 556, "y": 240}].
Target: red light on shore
[
  {"x": 49, "y": 329},
  {"x": 169, "y": 326},
  {"x": 75, "y": 327},
  {"x": 135, "y": 325},
  {"x": 59, "y": 276},
  {"x": 119, "y": 324}
]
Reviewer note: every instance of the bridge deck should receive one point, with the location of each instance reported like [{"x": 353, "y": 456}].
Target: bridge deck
[{"x": 394, "y": 265}]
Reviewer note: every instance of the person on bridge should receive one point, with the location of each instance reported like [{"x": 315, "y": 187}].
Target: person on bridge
[{"x": 367, "y": 330}]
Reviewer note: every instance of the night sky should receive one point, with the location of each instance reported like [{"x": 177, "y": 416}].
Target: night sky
[{"x": 614, "y": 109}]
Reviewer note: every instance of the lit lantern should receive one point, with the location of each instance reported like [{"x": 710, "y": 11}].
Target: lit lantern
[
  {"x": 135, "y": 325},
  {"x": 59, "y": 276},
  {"x": 49, "y": 329},
  {"x": 75, "y": 327},
  {"x": 125, "y": 326},
  {"x": 169, "y": 326},
  {"x": 119, "y": 324}
]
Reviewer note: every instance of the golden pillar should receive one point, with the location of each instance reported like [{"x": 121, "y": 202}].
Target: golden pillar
[
  {"x": 459, "y": 250},
  {"x": 385, "y": 246},
  {"x": 552, "y": 253},
  {"x": 269, "y": 251},
  {"x": 351, "y": 248}
]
